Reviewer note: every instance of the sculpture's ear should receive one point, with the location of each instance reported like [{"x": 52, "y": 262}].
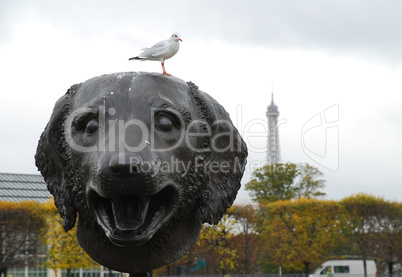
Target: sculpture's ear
[
  {"x": 51, "y": 160},
  {"x": 224, "y": 165}
]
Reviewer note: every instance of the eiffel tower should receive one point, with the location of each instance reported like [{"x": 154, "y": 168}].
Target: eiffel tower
[{"x": 274, "y": 151}]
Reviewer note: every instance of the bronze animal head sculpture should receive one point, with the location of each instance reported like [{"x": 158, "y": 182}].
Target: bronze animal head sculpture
[{"x": 144, "y": 160}]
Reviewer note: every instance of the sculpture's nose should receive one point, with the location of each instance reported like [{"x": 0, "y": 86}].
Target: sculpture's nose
[
  {"x": 127, "y": 174},
  {"x": 125, "y": 165}
]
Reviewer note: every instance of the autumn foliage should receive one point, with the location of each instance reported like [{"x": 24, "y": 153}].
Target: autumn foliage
[
  {"x": 376, "y": 228},
  {"x": 20, "y": 229},
  {"x": 64, "y": 252},
  {"x": 295, "y": 235},
  {"x": 29, "y": 227},
  {"x": 301, "y": 231}
]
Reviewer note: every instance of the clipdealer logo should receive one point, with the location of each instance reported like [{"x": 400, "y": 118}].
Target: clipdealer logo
[{"x": 322, "y": 129}]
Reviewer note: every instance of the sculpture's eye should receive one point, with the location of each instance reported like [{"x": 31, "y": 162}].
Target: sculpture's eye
[
  {"x": 92, "y": 126},
  {"x": 86, "y": 121},
  {"x": 164, "y": 123}
]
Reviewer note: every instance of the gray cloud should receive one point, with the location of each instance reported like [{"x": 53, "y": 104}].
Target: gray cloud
[
  {"x": 370, "y": 29},
  {"x": 367, "y": 28}
]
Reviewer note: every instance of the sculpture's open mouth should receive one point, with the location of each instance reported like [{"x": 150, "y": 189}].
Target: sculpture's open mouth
[{"x": 130, "y": 220}]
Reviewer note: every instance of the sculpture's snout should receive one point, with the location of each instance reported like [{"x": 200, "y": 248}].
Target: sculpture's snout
[
  {"x": 123, "y": 165},
  {"x": 126, "y": 165}
]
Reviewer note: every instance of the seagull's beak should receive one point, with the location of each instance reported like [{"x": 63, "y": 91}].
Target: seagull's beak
[{"x": 180, "y": 39}]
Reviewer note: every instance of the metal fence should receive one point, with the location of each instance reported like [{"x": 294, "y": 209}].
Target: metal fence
[
  {"x": 27, "y": 272},
  {"x": 93, "y": 272},
  {"x": 103, "y": 272},
  {"x": 284, "y": 275}
]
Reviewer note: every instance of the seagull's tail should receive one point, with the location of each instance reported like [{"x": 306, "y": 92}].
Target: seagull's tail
[{"x": 135, "y": 58}]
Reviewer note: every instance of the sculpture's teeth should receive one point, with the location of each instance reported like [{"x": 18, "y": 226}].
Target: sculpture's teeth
[{"x": 129, "y": 212}]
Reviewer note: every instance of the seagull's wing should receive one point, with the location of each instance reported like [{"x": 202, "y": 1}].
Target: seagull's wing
[
  {"x": 160, "y": 52},
  {"x": 155, "y": 51}
]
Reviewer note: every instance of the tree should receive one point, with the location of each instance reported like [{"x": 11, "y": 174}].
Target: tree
[
  {"x": 308, "y": 184},
  {"x": 20, "y": 228},
  {"x": 376, "y": 227},
  {"x": 64, "y": 252},
  {"x": 272, "y": 183},
  {"x": 285, "y": 181},
  {"x": 214, "y": 245},
  {"x": 364, "y": 213},
  {"x": 213, "y": 249},
  {"x": 302, "y": 230},
  {"x": 275, "y": 242},
  {"x": 246, "y": 239},
  {"x": 389, "y": 241}
]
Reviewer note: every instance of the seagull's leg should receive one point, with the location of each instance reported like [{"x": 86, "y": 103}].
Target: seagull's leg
[{"x": 164, "y": 71}]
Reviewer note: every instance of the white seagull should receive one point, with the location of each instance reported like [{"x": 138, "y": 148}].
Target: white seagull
[{"x": 161, "y": 51}]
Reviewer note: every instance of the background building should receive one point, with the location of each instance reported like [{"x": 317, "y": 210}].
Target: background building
[
  {"x": 20, "y": 187},
  {"x": 32, "y": 187}
]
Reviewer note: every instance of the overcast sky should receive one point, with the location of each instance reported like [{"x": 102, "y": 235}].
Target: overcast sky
[{"x": 335, "y": 68}]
